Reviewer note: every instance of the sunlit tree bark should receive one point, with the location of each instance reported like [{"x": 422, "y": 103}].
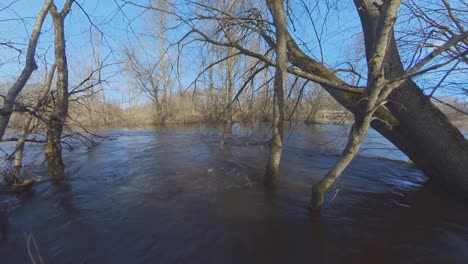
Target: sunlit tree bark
[
  {"x": 53, "y": 148},
  {"x": 422, "y": 131}
]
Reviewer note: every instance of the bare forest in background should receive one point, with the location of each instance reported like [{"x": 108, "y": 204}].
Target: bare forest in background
[{"x": 203, "y": 106}]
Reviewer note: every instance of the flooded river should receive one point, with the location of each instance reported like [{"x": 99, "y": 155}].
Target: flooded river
[{"x": 175, "y": 195}]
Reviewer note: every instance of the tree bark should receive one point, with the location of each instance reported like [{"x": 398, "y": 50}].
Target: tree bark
[
  {"x": 375, "y": 94},
  {"x": 409, "y": 119},
  {"x": 277, "y": 10},
  {"x": 423, "y": 132},
  {"x": 356, "y": 136},
  {"x": 53, "y": 148},
  {"x": 29, "y": 67}
]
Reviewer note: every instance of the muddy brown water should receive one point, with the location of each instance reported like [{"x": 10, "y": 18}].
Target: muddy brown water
[{"x": 174, "y": 195}]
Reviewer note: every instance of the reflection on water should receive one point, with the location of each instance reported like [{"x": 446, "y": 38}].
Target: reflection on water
[{"x": 174, "y": 195}]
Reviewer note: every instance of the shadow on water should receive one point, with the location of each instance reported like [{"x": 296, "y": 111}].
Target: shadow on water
[{"x": 175, "y": 195}]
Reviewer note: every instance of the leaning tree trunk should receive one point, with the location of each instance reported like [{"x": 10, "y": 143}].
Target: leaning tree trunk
[
  {"x": 422, "y": 132},
  {"x": 356, "y": 136},
  {"x": 29, "y": 67},
  {"x": 375, "y": 96},
  {"x": 410, "y": 121},
  {"x": 53, "y": 148},
  {"x": 277, "y": 9},
  {"x": 426, "y": 136}
]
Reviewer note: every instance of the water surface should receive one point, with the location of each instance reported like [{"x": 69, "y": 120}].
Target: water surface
[{"x": 174, "y": 195}]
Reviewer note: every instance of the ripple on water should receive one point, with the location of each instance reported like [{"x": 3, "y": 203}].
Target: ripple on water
[{"x": 175, "y": 195}]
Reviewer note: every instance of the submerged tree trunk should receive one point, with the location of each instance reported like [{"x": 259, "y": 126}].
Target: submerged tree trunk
[
  {"x": 427, "y": 137},
  {"x": 356, "y": 136},
  {"x": 277, "y": 9},
  {"x": 422, "y": 132},
  {"x": 375, "y": 95},
  {"x": 29, "y": 67},
  {"x": 53, "y": 148},
  {"x": 27, "y": 123},
  {"x": 409, "y": 119},
  {"x": 20, "y": 148}
]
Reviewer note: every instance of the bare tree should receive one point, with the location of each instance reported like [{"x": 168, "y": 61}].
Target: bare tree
[
  {"x": 277, "y": 10},
  {"x": 153, "y": 72},
  {"x": 29, "y": 66},
  {"x": 53, "y": 148}
]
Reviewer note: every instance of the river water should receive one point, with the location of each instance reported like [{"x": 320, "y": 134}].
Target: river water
[{"x": 175, "y": 195}]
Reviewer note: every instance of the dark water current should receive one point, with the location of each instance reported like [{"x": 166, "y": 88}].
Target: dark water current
[{"x": 174, "y": 195}]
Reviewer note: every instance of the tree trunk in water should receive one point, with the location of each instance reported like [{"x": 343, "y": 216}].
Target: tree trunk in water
[
  {"x": 375, "y": 94},
  {"x": 410, "y": 121},
  {"x": 427, "y": 137},
  {"x": 53, "y": 148},
  {"x": 29, "y": 67},
  {"x": 356, "y": 136},
  {"x": 277, "y": 9},
  {"x": 20, "y": 148},
  {"x": 27, "y": 124},
  {"x": 277, "y": 142},
  {"x": 423, "y": 132}
]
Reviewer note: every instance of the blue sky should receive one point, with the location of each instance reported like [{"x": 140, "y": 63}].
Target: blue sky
[
  {"x": 81, "y": 38},
  {"x": 130, "y": 28}
]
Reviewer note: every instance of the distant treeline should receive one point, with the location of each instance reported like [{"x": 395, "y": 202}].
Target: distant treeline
[
  {"x": 207, "y": 106},
  {"x": 201, "y": 106}
]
